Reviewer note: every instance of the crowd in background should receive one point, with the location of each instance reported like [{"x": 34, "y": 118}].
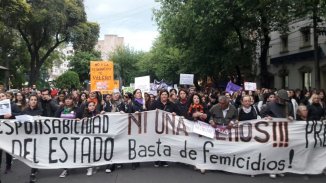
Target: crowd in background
[{"x": 218, "y": 108}]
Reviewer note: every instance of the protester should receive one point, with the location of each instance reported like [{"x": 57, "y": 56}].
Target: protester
[
  {"x": 33, "y": 109},
  {"x": 182, "y": 102},
  {"x": 49, "y": 106},
  {"x": 247, "y": 111},
  {"x": 68, "y": 111},
  {"x": 315, "y": 109},
  {"x": 223, "y": 113},
  {"x": 164, "y": 104},
  {"x": 197, "y": 110},
  {"x": 20, "y": 101},
  {"x": 302, "y": 113}
]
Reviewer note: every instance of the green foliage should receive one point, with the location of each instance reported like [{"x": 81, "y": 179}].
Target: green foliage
[
  {"x": 68, "y": 80},
  {"x": 125, "y": 62},
  {"x": 80, "y": 63},
  {"x": 45, "y": 24}
]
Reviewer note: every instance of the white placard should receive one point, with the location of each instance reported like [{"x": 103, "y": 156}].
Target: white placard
[
  {"x": 5, "y": 107},
  {"x": 23, "y": 118},
  {"x": 186, "y": 79},
  {"x": 249, "y": 86},
  {"x": 204, "y": 129},
  {"x": 143, "y": 83}
]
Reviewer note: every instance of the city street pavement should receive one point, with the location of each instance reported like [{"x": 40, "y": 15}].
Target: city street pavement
[{"x": 175, "y": 173}]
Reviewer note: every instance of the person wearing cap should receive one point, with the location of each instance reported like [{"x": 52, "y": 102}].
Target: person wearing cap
[{"x": 281, "y": 108}]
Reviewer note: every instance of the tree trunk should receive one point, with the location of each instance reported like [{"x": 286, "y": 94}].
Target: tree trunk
[{"x": 264, "y": 74}]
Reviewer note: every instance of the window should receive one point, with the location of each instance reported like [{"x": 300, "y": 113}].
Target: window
[
  {"x": 284, "y": 42},
  {"x": 305, "y": 34},
  {"x": 306, "y": 80}
]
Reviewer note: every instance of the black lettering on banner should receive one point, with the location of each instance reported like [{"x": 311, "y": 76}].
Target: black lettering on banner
[
  {"x": 281, "y": 165},
  {"x": 151, "y": 151},
  {"x": 89, "y": 126},
  {"x": 26, "y": 141},
  {"x": 56, "y": 124},
  {"x": 65, "y": 126},
  {"x": 51, "y": 151},
  {"x": 75, "y": 146},
  {"x": 157, "y": 121},
  {"x": 132, "y": 152},
  {"x": 205, "y": 150},
  {"x": 36, "y": 124},
  {"x": 14, "y": 142},
  {"x": 111, "y": 141},
  {"x": 46, "y": 123},
  {"x": 213, "y": 158},
  {"x": 86, "y": 152},
  {"x": 267, "y": 136},
  {"x": 106, "y": 123},
  {"x": 238, "y": 165},
  {"x": 248, "y": 137},
  {"x": 12, "y": 130},
  {"x": 75, "y": 126},
  {"x": 64, "y": 150},
  {"x": 316, "y": 134},
  {"x": 97, "y": 124},
  {"x": 18, "y": 124},
  {"x": 184, "y": 153},
  {"x": 34, "y": 150},
  {"x": 256, "y": 164},
  {"x": 142, "y": 151},
  {"x": 97, "y": 140},
  {"x": 181, "y": 127},
  {"x": 28, "y": 126},
  {"x": 171, "y": 122}
]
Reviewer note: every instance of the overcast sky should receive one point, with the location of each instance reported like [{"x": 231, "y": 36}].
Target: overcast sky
[{"x": 131, "y": 19}]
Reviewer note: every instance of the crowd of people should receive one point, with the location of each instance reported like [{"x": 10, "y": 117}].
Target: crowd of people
[{"x": 218, "y": 108}]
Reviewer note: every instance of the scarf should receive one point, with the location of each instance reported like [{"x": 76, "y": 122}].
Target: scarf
[
  {"x": 66, "y": 110},
  {"x": 196, "y": 107},
  {"x": 139, "y": 100},
  {"x": 183, "y": 101},
  {"x": 92, "y": 100}
]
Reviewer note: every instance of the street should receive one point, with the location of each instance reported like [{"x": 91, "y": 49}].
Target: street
[{"x": 175, "y": 173}]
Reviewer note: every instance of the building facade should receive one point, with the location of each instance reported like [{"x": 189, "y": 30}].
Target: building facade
[
  {"x": 291, "y": 57},
  {"x": 62, "y": 65},
  {"x": 108, "y": 45}
]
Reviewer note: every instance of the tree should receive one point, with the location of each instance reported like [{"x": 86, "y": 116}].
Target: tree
[
  {"x": 219, "y": 37},
  {"x": 45, "y": 24},
  {"x": 125, "y": 61},
  {"x": 80, "y": 63},
  {"x": 68, "y": 80}
]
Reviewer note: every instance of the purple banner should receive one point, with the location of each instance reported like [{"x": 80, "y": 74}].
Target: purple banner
[{"x": 231, "y": 87}]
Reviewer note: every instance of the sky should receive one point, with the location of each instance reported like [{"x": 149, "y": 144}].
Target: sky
[{"x": 131, "y": 19}]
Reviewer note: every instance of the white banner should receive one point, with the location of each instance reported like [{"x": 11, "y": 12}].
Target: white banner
[
  {"x": 143, "y": 83},
  {"x": 250, "y": 86},
  {"x": 186, "y": 79},
  {"x": 253, "y": 147},
  {"x": 5, "y": 107}
]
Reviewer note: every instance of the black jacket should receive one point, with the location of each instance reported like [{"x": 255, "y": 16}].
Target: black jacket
[
  {"x": 33, "y": 112},
  {"x": 168, "y": 107},
  {"x": 315, "y": 112},
  {"x": 277, "y": 110},
  {"x": 49, "y": 108}
]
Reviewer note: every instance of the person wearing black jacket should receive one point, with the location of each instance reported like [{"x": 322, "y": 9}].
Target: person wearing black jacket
[
  {"x": 49, "y": 106},
  {"x": 164, "y": 104},
  {"x": 315, "y": 109},
  {"x": 183, "y": 103},
  {"x": 14, "y": 111},
  {"x": 33, "y": 110}
]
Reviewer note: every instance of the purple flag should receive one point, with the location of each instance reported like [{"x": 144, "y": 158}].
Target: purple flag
[{"x": 231, "y": 87}]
